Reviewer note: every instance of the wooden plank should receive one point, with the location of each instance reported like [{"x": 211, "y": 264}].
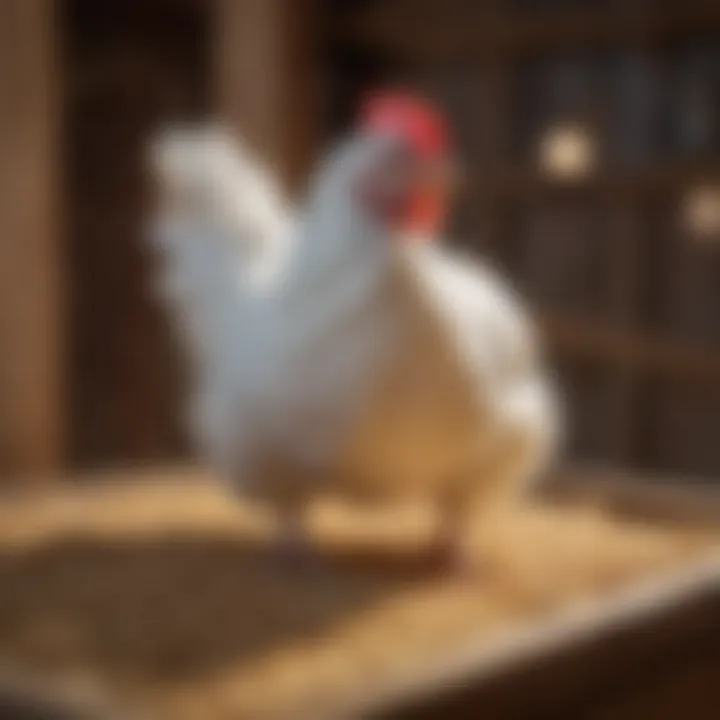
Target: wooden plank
[
  {"x": 265, "y": 78},
  {"x": 686, "y": 499},
  {"x": 559, "y": 668},
  {"x": 625, "y": 296},
  {"x": 528, "y": 182},
  {"x": 517, "y": 35},
  {"x": 31, "y": 312},
  {"x": 610, "y": 344}
]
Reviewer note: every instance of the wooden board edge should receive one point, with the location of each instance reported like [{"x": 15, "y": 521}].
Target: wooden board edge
[{"x": 486, "y": 658}]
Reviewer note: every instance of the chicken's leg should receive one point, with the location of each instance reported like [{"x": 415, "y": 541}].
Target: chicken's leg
[
  {"x": 294, "y": 544},
  {"x": 449, "y": 551}
]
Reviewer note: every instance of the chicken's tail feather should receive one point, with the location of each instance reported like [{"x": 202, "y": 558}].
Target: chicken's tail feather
[{"x": 218, "y": 225}]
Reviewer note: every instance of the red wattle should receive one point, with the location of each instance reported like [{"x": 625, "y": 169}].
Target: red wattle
[{"x": 425, "y": 215}]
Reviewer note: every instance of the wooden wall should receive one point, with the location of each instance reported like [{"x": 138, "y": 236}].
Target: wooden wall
[
  {"x": 130, "y": 67},
  {"x": 31, "y": 262}
]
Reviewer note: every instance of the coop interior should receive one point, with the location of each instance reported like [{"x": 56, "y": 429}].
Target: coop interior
[
  {"x": 599, "y": 234},
  {"x": 129, "y": 68},
  {"x": 137, "y": 586}
]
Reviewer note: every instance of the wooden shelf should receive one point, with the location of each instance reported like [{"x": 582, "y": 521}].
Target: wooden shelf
[
  {"x": 531, "y": 182},
  {"x": 605, "y": 343}
]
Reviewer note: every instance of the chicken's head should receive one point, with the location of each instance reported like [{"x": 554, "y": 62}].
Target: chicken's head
[{"x": 408, "y": 184}]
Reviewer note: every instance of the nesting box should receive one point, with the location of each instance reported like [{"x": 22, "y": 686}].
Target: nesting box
[{"x": 155, "y": 595}]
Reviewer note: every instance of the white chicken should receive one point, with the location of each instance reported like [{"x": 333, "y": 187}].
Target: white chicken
[{"x": 338, "y": 349}]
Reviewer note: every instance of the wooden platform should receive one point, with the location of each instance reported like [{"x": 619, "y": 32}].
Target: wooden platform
[{"x": 155, "y": 595}]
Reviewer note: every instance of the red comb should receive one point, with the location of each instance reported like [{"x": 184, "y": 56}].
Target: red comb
[{"x": 409, "y": 116}]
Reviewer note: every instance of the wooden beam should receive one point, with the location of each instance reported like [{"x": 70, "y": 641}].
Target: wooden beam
[
  {"x": 508, "y": 34},
  {"x": 526, "y": 182},
  {"x": 644, "y": 494},
  {"x": 265, "y": 71},
  {"x": 31, "y": 409},
  {"x": 614, "y": 345}
]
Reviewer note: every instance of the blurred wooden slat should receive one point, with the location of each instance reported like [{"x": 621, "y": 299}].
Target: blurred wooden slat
[
  {"x": 678, "y": 498},
  {"x": 521, "y": 182},
  {"x": 626, "y": 259},
  {"x": 31, "y": 307},
  {"x": 265, "y": 78},
  {"x": 615, "y": 345},
  {"x": 518, "y": 34}
]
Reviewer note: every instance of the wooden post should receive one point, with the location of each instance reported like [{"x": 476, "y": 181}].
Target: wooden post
[
  {"x": 30, "y": 312},
  {"x": 266, "y": 78}
]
